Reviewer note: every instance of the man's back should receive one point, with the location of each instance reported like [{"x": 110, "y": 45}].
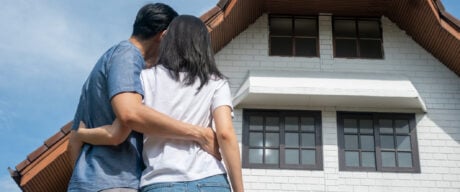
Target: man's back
[{"x": 103, "y": 167}]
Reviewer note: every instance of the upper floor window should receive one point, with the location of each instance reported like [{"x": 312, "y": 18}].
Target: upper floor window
[
  {"x": 293, "y": 36},
  {"x": 377, "y": 142},
  {"x": 357, "y": 37},
  {"x": 282, "y": 139}
]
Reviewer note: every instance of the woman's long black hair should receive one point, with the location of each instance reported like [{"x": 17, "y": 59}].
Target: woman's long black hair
[{"x": 186, "y": 47}]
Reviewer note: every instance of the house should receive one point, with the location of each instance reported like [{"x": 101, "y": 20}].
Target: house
[{"x": 357, "y": 95}]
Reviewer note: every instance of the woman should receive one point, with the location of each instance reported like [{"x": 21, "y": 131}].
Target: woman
[{"x": 186, "y": 85}]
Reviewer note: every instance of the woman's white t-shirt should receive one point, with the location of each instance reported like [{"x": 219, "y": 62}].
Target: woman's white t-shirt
[{"x": 170, "y": 160}]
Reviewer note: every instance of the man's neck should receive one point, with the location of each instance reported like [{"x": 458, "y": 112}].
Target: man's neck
[
  {"x": 148, "y": 49},
  {"x": 141, "y": 45}
]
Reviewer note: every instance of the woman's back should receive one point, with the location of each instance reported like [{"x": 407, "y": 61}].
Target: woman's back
[{"x": 170, "y": 160}]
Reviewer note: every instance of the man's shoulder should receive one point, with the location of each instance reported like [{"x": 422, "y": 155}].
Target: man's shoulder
[
  {"x": 126, "y": 47},
  {"x": 123, "y": 52}
]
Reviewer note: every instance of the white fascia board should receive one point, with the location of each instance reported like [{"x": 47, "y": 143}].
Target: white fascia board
[{"x": 328, "y": 89}]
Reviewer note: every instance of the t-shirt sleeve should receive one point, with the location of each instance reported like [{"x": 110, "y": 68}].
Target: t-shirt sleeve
[
  {"x": 222, "y": 96},
  {"x": 123, "y": 73},
  {"x": 77, "y": 118}
]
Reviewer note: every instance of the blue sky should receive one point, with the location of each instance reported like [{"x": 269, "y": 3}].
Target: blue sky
[{"x": 47, "y": 49}]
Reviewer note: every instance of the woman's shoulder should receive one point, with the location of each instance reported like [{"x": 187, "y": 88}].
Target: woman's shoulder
[
  {"x": 218, "y": 82},
  {"x": 216, "y": 79}
]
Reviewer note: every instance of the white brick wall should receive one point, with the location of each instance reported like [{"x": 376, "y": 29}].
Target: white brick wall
[{"x": 438, "y": 130}]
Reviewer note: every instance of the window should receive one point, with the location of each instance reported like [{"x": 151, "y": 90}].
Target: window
[
  {"x": 377, "y": 142},
  {"x": 294, "y": 36},
  {"x": 282, "y": 139},
  {"x": 357, "y": 37}
]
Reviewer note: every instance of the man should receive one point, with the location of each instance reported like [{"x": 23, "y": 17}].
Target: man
[{"x": 113, "y": 90}]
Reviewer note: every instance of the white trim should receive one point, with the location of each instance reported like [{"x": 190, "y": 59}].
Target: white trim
[{"x": 317, "y": 89}]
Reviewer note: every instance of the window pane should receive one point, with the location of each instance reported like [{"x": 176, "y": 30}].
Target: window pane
[
  {"x": 351, "y": 142},
  {"x": 272, "y": 124},
  {"x": 368, "y": 159},
  {"x": 281, "y": 46},
  {"x": 308, "y": 140},
  {"x": 344, "y": 28},
  {"x": 351, "y": 159},
  {"x": 255, "y": 140},
  {"x": 350, "y": 126},
  {"x": 255, "y": 123},
  {"x": 291, "y": 123},
  {"x": 307, "y": 124},
  {"x": 367, "y": 142},
  {"x": 404, "y": 159},
  {"x": 345, "y": 48},
  {"x": 281, "y": 26},
  {"x": 387, "y": 142},
  {"x": 366, "y": 126},
  {"x": 305, "y": 47},
  {"x": 402, "y": 126},
  {"x": 292, "y": 139},
  {"x": 305, "y": 27},
  {"x": 370, "y": 48},
  {"x": 272, "y": 139},
  {"x": 388, "y": 159},
  {"x": 369, "y": 29},
  {"x": 255, "y": 155},
  {"x": 403, "y": 143},
  {"x": 386, "y": 126},
  {"x": 271, "y": 156},
  {"x": 308, "y": 157},
  {"x": 292, "y": 156}
]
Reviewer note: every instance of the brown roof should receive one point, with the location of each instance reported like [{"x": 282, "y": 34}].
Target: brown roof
[{"x": 48, "y": 168}]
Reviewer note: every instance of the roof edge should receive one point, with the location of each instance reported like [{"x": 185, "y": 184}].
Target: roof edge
[
  {"x": 37, "y": 153},
  {"x": 15, "y": 175},
  {"x": 221, "y": 20},
  {"x": 210, "y": 15},
  {"x": 449, "y": 18}
]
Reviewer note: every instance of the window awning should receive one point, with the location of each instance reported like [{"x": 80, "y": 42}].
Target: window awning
[{"x": 317, "y": 89}]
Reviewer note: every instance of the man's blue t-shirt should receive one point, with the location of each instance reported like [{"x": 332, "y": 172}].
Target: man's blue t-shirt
[{"x": 105, "y": 167}]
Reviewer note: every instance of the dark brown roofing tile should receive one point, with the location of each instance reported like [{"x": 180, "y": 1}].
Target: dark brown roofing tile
[
  {"x": 223, "y": 3},
  {"x": 210, "y": 14},
  {"x": 55, "y": 138},
  {"x": 34, "y": 155},
  {"x": 447, "y": 16},
  {"x": 22, "y": 165},
  {"x": 66, "y": 129}
]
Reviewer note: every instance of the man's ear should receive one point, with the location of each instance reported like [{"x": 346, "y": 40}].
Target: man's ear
[{"x": 159, "y": 36}]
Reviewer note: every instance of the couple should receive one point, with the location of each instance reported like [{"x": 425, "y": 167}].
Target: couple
[{"x": 174, "y": 101}]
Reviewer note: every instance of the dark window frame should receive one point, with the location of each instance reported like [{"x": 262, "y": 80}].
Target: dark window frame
[
  {"x": 375, "y": 117},
  {"x": 281, "y": 161},
  {"x": 293, "y": 36},
  {"x": 357, "y": 38}
]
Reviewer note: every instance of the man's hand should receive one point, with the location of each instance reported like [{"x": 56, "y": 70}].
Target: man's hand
[{"x": 210, "y": 143}]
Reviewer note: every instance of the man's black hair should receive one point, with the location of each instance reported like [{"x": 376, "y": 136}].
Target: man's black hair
[{"x": 152, "y": 19}]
